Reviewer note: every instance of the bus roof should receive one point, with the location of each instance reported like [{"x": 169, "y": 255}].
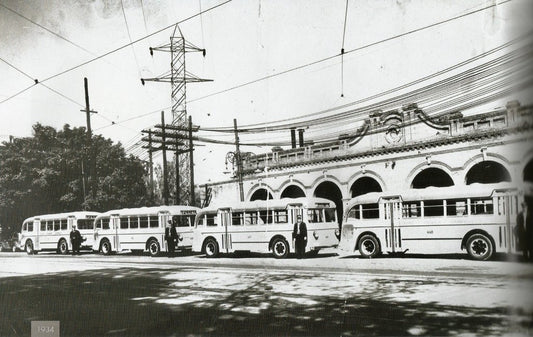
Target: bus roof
[
  {"x": 429, "y": 193},
  {"x": 76, "y": 214},
  {"x": 153, "y": 210},
  {"x": 271, "y": 203}
]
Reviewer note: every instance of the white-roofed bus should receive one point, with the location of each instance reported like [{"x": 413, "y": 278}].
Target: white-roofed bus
[
  {"x": 264, "y": 226},
  {"x": 142, "y": 229},
  {"x": 52, "y": 231},
  {"x": 478, "y": 218}
]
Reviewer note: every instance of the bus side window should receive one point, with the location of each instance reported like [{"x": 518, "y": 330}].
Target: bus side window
[
  {"x": 370, "y": 211},
  {"x": 64, "y": 224},
  {"x": 134, "y": 222},
  {"x": 411, "y": 209},
  {"x": 265, "y": 217},
  {"x": 211, "y": 219},
  {"x": 180, "y": 221},
  {"x": 433, "y": 208},
  {"x": 251, "y": 218},
  {"x": 30, "y": 226},
  {"x": 353, "y": 213},
  {"x": 456, "y": 207},
  {"x": 481, "y": 206},
  {"x": 43, "y": 226},
  {"x": 314, "y": 215},
  {"x": 49, "y": 226},
  {"x": 105, "y": 223},
  {"x": 237, "y": 218},
  {"x": 154, "y": 222},
  {"x": 281, "y": 216},
  {"x": 123, "y": 222},
  {"x": 56, "y": 225},
  {"x": 143, "y": 222}
]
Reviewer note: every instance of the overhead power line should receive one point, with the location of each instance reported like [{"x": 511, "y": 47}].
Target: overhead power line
[
  {"x": 115, "y": 50},
  {"x": 349, "y": 51}
]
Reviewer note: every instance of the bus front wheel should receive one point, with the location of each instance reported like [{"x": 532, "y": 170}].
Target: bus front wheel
[
  {"x": 62, "y": 247},
  {"x": 211, "y": 248},
  {"x": 153, "y": 248},
  {"x": 369, "y": 246},
  {"x": 479, "y": 247},
  {"x": 280, "y": 248},
  {"x": 29, "y": 247},
  {"x": 105, "y": 247}
]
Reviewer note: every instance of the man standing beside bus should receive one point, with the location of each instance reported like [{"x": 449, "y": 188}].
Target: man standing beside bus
[
  {"x": 75, "y": 240},
  {"x": 299, "y": 237},
  {"x": 171, "y": 235}
]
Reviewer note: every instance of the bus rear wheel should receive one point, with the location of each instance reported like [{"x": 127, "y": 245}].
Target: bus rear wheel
[
  {"x": 280, "y": 248},
  {"x": 153, "y": 248},
  {"x": 211, "y": 248},
  {"x": 105, "y": 247},
  {"x": 62, "y": 247},
  {"x": 29, "y": 247},
  {"x": 479, "y": 247},
  {"x": 369, "y": 246}
]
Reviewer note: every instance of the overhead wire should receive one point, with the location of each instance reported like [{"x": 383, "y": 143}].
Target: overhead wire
[{"x": 115, "y": 50}]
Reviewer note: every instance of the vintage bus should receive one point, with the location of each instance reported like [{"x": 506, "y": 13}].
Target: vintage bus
[
  {"x": 142, "y": 229},
  {"x": 265, "y": 226},
  {"x": 52, "y": 232},
  {"x": 478, "y": 218}
]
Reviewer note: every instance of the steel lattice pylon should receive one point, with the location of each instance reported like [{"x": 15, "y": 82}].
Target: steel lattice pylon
[{"x": 178, "y": 78}]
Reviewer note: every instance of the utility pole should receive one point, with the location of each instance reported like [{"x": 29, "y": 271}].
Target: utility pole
[
  {"x": 151, "y": 168},
  {"x": 164, "y": 148},
  {"x": 191, "y": 162},
  {"x": 238, "y": 159},
  {"x": 178, "y": 78},
  {"x": 92, "y": 154}
]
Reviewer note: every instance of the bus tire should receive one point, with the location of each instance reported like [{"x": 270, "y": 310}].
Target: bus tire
[
  {"x": 211, "y": 248},
  {"x": 105, "y": 247},
  {"x": 28, "y": 247},
  {"x": 369, "y": 246},
  {"x": 479, "y": 247},
  {"x": 280, "y": 248},
  {"x": 153, "y": 247},
  {"x": 62, "y": 247}
]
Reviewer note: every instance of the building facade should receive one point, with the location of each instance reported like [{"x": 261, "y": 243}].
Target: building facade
[{"x": 392, "y": 151}]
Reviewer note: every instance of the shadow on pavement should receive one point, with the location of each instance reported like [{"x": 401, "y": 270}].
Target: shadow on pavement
[{"x": 145, "y": 302}]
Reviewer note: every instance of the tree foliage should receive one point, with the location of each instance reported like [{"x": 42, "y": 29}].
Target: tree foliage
[{"x": 49, "y": 173}]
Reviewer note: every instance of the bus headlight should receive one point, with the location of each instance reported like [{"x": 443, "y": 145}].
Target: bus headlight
[
  {"x": 337, "y": 233},
  {"x": 315, "y": 235}
]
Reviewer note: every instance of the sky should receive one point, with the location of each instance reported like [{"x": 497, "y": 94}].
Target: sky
[{"x": 245, "y": 40}]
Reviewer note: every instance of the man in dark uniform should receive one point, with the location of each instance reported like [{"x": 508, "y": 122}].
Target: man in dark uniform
[
  {"x": 299, "y": 237},
  {"x": 524, "y": 231},
  {"x": 75, "y": 240},
  {"x": 171, "y": 235}
]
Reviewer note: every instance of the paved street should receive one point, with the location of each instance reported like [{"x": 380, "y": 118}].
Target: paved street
[{"x": 132, "y": 295}]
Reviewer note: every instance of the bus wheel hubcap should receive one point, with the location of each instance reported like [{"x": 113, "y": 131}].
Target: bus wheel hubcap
[{"x": 479, "y": 247}]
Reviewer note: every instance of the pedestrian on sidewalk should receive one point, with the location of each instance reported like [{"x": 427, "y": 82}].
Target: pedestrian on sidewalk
[
  {"x": 299, "y": 237},
  {"x": 75, "y": 240}
]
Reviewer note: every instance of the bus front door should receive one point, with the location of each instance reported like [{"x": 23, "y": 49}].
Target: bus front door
[
  {"x": 163, "y": 222},
  {"x": 225, "y": 219},
  {"x": 115, "y": 225},
  {"x": 392, "y": 213}
]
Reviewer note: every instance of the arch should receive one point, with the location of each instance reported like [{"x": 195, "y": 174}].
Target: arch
[
  {"x": 260, "y": 193},
  {"x": 487, "y": 172},
  {"x": 367, "y": 173},
  {"x": 363, "y": 185},
  {"x": 331, "y": 191},
  {"x": 432, "y": 176},
  {"x": 527, "y": 173},
  {"x": 292, "y": 191}
]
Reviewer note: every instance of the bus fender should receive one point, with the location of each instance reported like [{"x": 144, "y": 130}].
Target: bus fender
[
  {"x": 365, "y": 233},
  {"x": 276, "y": 237},
  {"x": 476, "y": 231}
]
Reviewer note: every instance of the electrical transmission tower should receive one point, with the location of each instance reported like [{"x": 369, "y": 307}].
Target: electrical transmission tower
[{"x": 178, "y": 78}]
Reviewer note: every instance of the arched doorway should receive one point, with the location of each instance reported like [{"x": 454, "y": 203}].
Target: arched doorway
[
  {"x": 292, "y": 191},
  {"x": 364, "y": 185},
  {"x": 487, "y": 172},
  {"x": 331, "y": 191},
  {"x": 432, "y": 177},
  {"x": 261, "y": 194}
]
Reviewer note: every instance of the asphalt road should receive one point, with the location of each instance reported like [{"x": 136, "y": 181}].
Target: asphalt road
[{"x": 255, "y": 295}]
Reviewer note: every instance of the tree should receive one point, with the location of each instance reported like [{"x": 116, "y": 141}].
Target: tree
[{"x": 48, "y": 173}]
